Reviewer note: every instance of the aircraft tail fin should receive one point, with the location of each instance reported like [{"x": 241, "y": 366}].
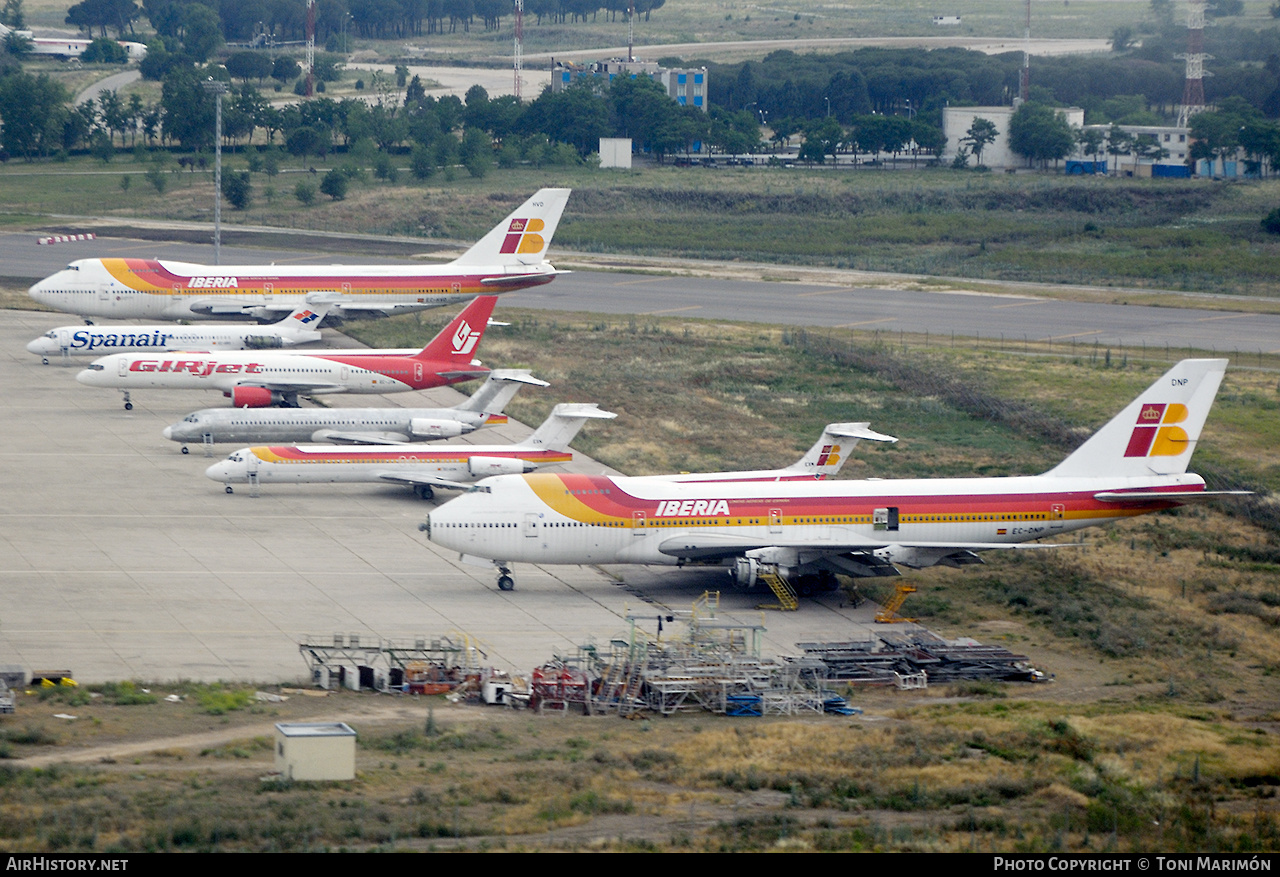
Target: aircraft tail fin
[
  {"x": 499, "y": 388},
  {"x": 1157, "y": 432},
  {"x": 459, "y": 340},
  {"x": 563, "y": 424},
  {"x": 310, "y": 315},
  {"x": 523, "y": 237},
  {"x": 829, "y": 454}
]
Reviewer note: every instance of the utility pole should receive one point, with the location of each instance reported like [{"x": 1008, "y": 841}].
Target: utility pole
[{"x": 217, "y": 88}]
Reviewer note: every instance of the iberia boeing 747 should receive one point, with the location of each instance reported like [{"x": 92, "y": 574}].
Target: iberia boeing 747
[
  {"x": 808, "y": 531},
  {"x": 511, "y": 256}
]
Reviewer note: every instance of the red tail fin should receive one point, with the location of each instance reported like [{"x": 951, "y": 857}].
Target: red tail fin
[{"x": 458, "y": 340}]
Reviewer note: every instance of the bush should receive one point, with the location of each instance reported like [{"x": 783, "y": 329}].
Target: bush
[
  {"x": 1271, "y": 222},
  {"x": 104, "y": 51},
  {"x": 422, "y": 163},
  {"x": 237, "y": 190},
  {"x": 334, "y": 185},
  {"x": 305, "y": 192}
]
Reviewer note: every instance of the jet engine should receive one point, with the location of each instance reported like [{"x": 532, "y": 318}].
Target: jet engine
[
  {"x": 254, "y": 397},
  {"x": 483, "y": 467},
  {"x": 746, "y": 571},
  {"x": 426, "y": 428},
  {"x": 263, "y": 342}
]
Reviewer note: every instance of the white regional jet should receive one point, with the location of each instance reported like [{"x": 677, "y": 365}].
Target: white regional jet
[
  {"x": 355, "y": 425},
  {"x": 300, "y": 327},
  {"x": 511, "y": 256},
  {"x": 261, "y": 379},
  {"x": 452, "y": 466},
  {"x": 807, "y": 531}
]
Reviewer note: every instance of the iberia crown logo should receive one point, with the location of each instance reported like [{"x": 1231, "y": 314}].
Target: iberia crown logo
[
  {"x": 1156, "y": 434},
  {"x": 522, "y": 237}
]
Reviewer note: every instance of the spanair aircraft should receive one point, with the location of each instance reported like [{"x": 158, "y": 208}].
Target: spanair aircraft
[
  {"x": 260, "y": 379},
  {"x": 808, "y": 531},
  {"x": 300, "y": 327},
  {"x": 454, "y": 466},
  {"x": 355, "y": 425},
  {"x": 511, "y": 256}
]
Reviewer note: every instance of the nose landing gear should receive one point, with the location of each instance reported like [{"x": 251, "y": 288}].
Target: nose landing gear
[{"x": 128, "y": 403}]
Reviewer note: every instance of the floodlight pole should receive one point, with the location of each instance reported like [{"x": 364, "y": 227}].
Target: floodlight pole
[{"x": 217, "y": 88}]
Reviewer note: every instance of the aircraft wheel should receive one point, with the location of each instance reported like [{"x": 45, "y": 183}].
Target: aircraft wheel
[
  {"x": 185, "y": 450},
  {"x": 424, "y": 491},
  {"x": 44, "y": 360},
  {"x": 229, "y": 490},
  {"x": 128, "y": 406},
  {"x": 506, "y": 583}
]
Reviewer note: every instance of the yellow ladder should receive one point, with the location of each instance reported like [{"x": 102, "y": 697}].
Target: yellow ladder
[
  {"x": 889, "y": 614},
  {"x": 787, "y": 599}
]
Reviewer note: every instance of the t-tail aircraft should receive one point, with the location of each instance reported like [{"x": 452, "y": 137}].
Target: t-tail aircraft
[
  {"x": 808, "y": 531},
  {"x": 262, "y": 379},
  {"x": 302, "y": 326},
  {"x": 452, "y": 466},
  {"x": 511, "y": 256},
  {"x": 824, "y": 460},
  {"x": 355, "y": 425}
]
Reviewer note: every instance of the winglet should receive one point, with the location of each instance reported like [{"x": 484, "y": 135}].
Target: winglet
[
  {"x": 523, "y": 237},
  {"x": 1157, "y": 432},
  {"x": 457, "y": 341},
  {"x": 829, "y": 454}
]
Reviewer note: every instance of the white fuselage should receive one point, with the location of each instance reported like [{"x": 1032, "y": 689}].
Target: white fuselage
[
  {"x": 578, "y": 519},
  {"x": 241, "y": 425},
  {"x": 99, "y": 340},
  {"x": 319, "y": 464},
  {"x": 130, "y": 289}
]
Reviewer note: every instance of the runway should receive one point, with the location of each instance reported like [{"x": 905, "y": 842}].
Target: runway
[{"x": 1013, "y": 317}]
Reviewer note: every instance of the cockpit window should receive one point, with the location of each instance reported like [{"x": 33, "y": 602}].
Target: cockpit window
[
  {"x": 234, "y": 458},
  {"x": 96, "y": 366},
  {"x": 190, "y": 418},
  {"x": 479, "y": 488},
  {"x": 51, "y": 334}
]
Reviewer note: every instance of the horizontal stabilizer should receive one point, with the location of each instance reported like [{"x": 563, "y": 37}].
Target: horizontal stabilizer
[{"x": 1166, "y": 496}]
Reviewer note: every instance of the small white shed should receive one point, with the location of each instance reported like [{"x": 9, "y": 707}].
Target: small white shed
[
  {"x": 615, "y": 152},
  {"x": 316, "y": 751}
]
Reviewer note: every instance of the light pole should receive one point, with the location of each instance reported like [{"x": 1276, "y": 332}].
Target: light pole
[{"x": 217, "y": 88}]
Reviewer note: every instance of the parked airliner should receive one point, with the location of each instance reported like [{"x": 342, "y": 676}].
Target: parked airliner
[
  {"x": 453, "y": 466},
  {"x": 511, "y": 256},
  {"x": 259, "y": 379},
  {"x": 808, "y": 531},
  {"x": 355, "y": 425},
  {"x": 300, "y": 327}
]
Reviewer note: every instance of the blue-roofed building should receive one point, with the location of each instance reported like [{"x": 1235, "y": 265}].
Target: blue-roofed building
[{"x": 687, "y": 87}]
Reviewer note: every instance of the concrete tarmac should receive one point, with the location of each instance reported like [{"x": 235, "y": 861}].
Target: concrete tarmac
[{"x": 122, "y": 561}]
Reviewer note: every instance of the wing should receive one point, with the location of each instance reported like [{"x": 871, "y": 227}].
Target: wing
[
  {"x": 360, "y": 438},
  {"x": 851, "y": 556},
  {"x": 426, "y": 480}
]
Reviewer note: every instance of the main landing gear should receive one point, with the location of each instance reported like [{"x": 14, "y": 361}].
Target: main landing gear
[
  {"x": 128, "y": 403},
  {"x": 506, "y": 581}
]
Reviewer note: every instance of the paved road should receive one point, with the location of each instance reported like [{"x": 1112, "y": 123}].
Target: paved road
[
  {"x": 940, "y": 314},
  {"x": 114, "y": 82}
]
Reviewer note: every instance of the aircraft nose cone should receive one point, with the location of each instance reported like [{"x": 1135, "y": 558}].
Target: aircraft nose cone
[
  {"x": 168, "y": 432},
  {"x": 36, "y": 346},
  {"x": 217, "y": 472},
  {"x": 36, "y": 293},
  {"x": 85, "y": 376}
]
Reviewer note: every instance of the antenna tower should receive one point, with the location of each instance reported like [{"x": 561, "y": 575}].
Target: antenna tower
[
  {"x": 1193, "y": 87},
  {"x": 519, "y": 45}
]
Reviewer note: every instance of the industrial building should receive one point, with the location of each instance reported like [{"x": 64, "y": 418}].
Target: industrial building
[{"x": 686, "y": 86}]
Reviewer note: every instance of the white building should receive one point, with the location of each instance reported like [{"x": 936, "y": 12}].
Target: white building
[{"x": 956, "y": 121}]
